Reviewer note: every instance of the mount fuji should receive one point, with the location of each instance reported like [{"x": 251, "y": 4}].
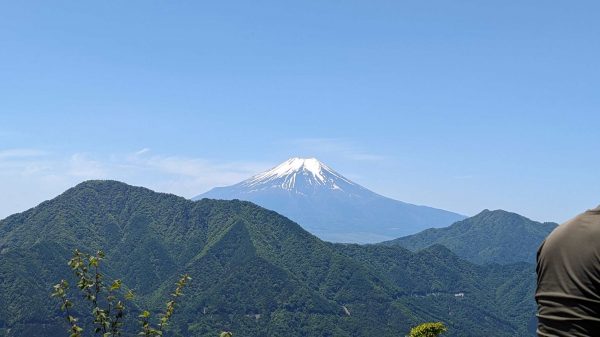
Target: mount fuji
[{"x": 331, "y": 206}]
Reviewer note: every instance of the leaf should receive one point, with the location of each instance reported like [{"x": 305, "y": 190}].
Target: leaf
[
  {"x": 129, "y": 295},
  {"x": 116, "y": 285}
]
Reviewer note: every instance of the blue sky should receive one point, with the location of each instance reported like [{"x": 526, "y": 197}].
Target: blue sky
[{"x": 461, "y": 105}]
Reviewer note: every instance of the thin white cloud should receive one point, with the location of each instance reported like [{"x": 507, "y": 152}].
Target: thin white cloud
[
  {"x": 81, "y": 165},
  {"x": 21, "y": 161},
  {"x": 190, "y": 176},
  {"x": 11, "y": 154},
  {"x": 29, "y": 176},
  {"x": 142, "y": 151}
]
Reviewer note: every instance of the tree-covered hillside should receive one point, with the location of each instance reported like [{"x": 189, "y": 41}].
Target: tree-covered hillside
[
  {"x": 253, "y": 271},
  {"x": 488, "y": 237}
]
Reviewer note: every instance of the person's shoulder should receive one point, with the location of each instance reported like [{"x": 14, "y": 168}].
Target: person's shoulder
[
  {"x": 539, "y": 250},
  {"x": 594, "y": 210}
]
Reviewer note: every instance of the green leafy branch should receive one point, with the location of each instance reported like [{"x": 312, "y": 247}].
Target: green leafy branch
[
  {"x": 108, "y": 304},
  {"x": 108, "y": 308},
  {"x": 60, "y": 291},
  {"x": 147, "y": 329}
]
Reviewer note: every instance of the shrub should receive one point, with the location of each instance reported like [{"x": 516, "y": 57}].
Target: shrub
[{"x": 428, "y": 330}]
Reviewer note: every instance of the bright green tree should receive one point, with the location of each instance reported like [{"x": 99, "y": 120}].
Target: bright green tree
[{"x": 428, "y": 330}]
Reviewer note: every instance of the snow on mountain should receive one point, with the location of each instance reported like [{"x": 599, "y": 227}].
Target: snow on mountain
[
  {"x": 331, "y": 206},
  {"x": 301, "y": 176}
]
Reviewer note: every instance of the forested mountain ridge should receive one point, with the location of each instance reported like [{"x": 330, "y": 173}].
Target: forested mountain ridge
[
  {"x": 254, "y": 271},
  {"x": 488, "y": 237}
]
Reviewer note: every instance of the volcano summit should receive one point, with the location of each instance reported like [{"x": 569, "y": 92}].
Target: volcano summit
[{"x": 331, "y": 206}]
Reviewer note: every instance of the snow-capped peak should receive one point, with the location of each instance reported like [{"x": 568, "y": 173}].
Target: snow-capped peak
[
  {"x": 299, "y": 174},
  {"x": 295, "y": 165}
]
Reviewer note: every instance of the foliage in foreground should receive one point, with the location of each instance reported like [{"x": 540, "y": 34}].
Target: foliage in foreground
[
  {"x": 428, "y": 330},
  {"x": 108, "y": 308}
]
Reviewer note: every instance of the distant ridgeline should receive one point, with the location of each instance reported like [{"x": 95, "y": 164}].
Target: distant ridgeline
[
  {"x": 331, "y": 206},
  {"x": 254, "y": 272},
  {"x": 488, "y": 237}
]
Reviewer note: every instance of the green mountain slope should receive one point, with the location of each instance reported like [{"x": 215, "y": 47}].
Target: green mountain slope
[
  {"x": 254, "y": 272},
  {"x": 437, "y": 283},
  {"x": 488, "y": 237}
]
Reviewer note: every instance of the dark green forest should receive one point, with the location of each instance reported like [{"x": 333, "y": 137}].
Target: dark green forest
[
  {"x": 254, "y": 272},
  {"x": 488, "y": 237}
]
